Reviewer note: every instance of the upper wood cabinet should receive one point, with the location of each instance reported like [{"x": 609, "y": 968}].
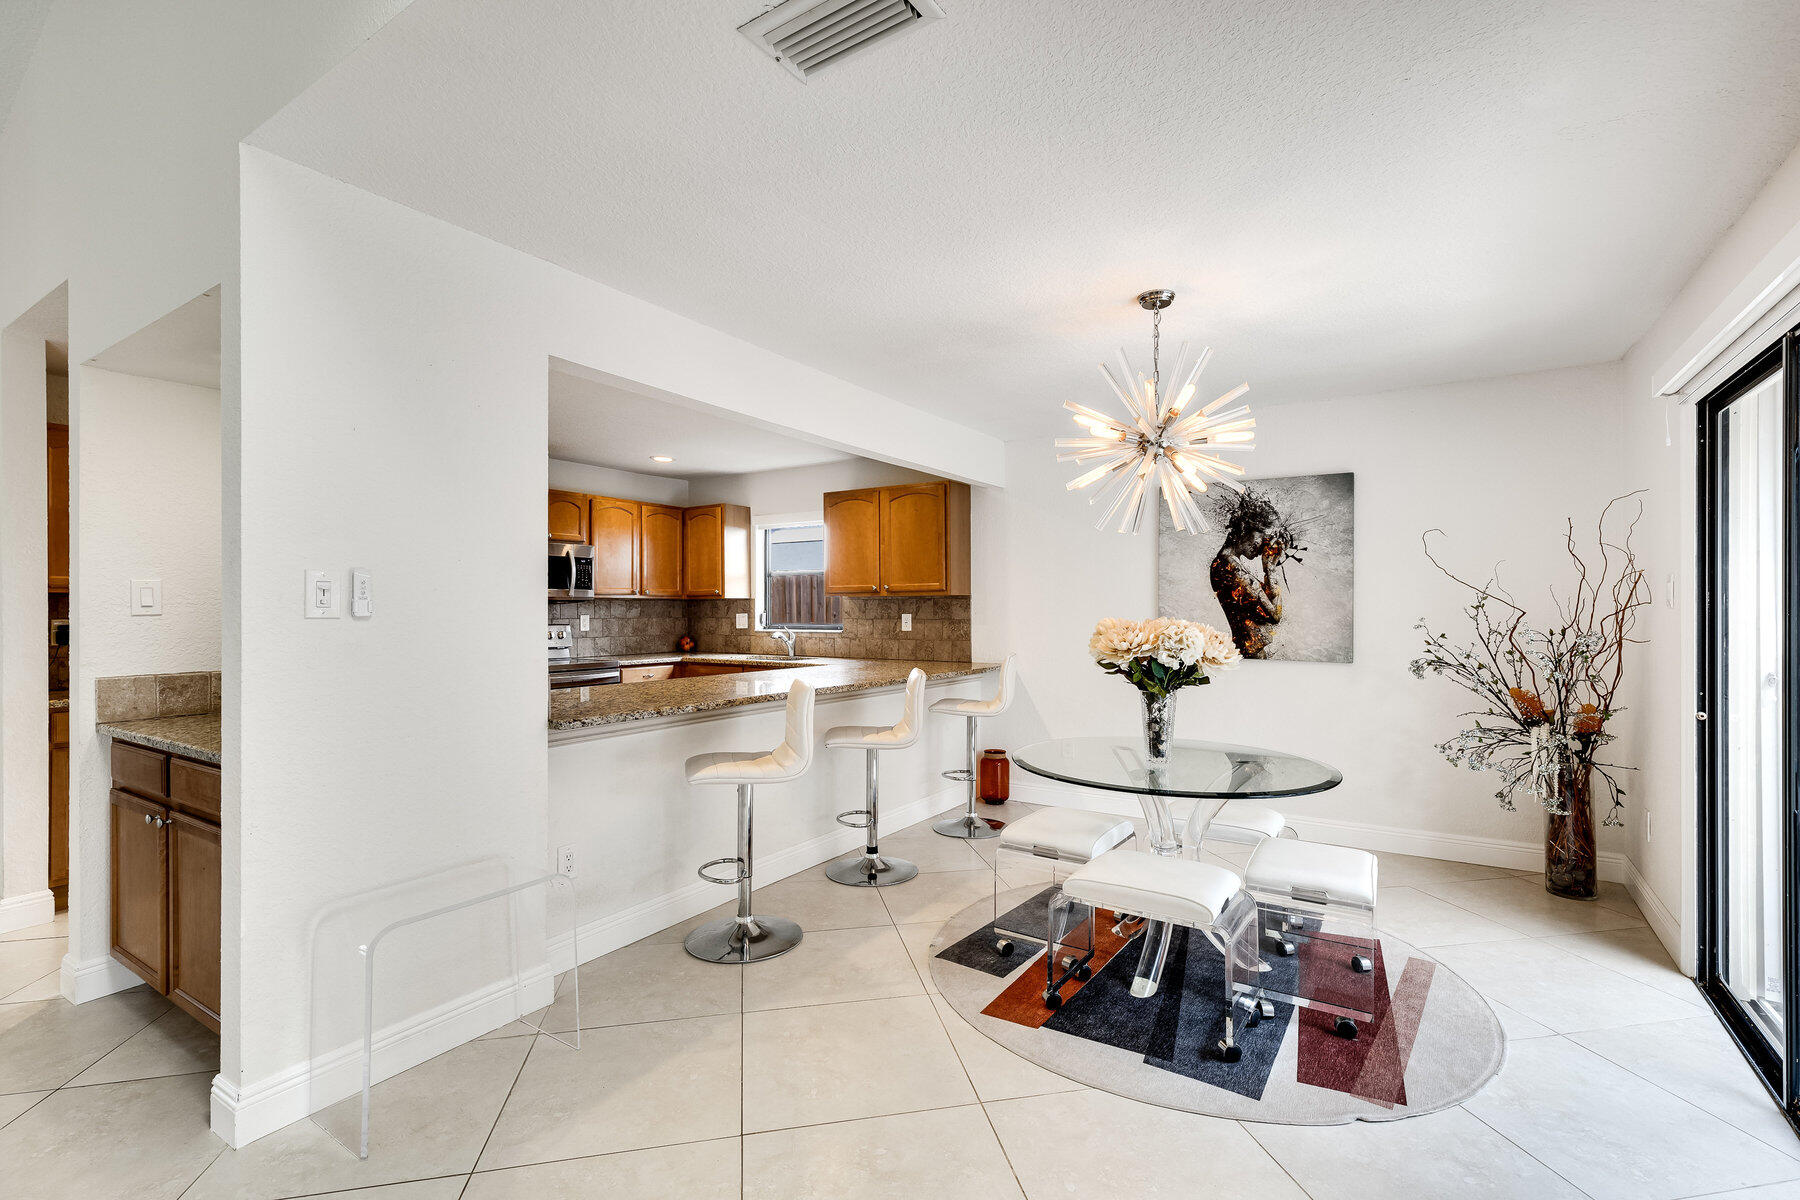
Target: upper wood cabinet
[
  {"x": 58, "y": 451},
  {"x": 853, "y": 542},
  {"x": 907, "y": 540},
  {"x": 716, "y": 552},
  {"x": 568, "y": 517},
  {"x": 659, "y": 554},
  {"x": 613, "y": 532}
]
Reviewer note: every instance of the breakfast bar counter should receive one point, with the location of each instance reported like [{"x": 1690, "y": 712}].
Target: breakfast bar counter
[{"x": 764, "y": 681}]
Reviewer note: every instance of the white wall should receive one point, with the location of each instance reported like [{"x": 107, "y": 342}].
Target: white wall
[
  {"x": 796, "y": 489},
  {"x": 367, "y": 751},
  {"x": 24, "y": 624},
  {"x": 610, "y": 481},
  {"x": 144, "y": 504},
  {"x": 1498, "y": 464},
  {"x": 1659, "y": 455}
]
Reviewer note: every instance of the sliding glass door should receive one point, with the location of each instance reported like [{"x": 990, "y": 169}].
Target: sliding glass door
[{"x": 1746, "y": 713}]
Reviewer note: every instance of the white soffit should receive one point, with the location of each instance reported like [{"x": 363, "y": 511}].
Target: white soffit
[
  {"x": 607, "y": 426},
  {"x": 182, "y": 346},
  {"x": 1345, "y": 198}
]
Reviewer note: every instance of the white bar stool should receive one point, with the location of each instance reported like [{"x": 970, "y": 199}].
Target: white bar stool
[
  {"x": 966, "y": 824},
  {"x": 870, "y": 868},
  {"x": 747, "y": 938}
]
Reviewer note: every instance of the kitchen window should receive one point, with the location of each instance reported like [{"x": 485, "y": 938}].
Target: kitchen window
[{"x": 792, "y": 593}]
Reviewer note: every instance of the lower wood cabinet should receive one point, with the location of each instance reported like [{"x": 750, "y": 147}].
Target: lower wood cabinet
[
  {"x": 59, "y": 806},
  {"x": 166, "y": 875}
]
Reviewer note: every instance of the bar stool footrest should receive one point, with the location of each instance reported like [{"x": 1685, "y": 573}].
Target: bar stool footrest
[
  {"x": 960, "y": 774},
  {"x": 742, "y": 872},
  {"x": 856, "y": 818}
]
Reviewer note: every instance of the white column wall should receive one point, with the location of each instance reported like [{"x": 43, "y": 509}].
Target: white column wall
[
  {"x": 24, "y": 623},
  {"x": 144, "y": 504}
]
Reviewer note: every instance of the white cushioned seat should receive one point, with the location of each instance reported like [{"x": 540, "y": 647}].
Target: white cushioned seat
[
  {"x": 1071, "y": 834},
  {"x": 887, "y": 737},
  {"x": 1340, "y": 874},
  {"x": 1180, "y": 890},
  {"x": 786, "y": 761},
  {"x": 992, "y": 706},
  {"x": 1243, "y": 822}
]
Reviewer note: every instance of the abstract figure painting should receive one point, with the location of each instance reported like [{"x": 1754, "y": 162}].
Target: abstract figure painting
[{"x": 1276, "y": 567}]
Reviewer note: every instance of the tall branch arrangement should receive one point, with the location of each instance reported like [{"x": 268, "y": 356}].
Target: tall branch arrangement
[{"x": 1547, "y": 691}]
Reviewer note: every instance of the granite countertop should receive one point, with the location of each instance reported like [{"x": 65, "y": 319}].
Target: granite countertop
[
  {"x": 59, "y": 702},
  {"x": 195, "y": 736},
  {"x": 645, "y": 660},
  {"x": 617, "y": 703}
]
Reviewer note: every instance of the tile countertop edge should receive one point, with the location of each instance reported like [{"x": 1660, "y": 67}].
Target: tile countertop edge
[
  {"x": 170, "y": 741},
  {"x": 608, "y": 724}
]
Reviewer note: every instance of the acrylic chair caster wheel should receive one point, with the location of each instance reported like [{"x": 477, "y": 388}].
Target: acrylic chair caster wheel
[
  {"x": 1052, "y": 999},
  {"x": 1003, "y": 948},
  {"x": 1361, "y": 964},
  {"x": 1230, "y": 1054},
  {"x": 1084, "y": 972},
  {"x": 1346, "y": 1029}
]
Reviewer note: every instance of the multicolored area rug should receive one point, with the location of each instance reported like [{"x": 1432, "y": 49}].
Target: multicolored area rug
[{"x": 1432, "y": 1042}]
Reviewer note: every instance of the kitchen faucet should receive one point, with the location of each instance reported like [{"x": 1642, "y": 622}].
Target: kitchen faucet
[{"x": 785, "y": 637}]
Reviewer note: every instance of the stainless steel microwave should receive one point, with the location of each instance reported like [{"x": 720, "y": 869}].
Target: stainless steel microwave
[{"x": 571, "y": 571}]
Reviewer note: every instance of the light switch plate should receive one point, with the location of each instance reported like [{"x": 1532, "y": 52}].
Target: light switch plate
[
  {"x": 362, "y": 594},
  {"x": 320, "y": 599},
  {"x": 146, "y": 597},
  {"x": 743, "y": 620}
]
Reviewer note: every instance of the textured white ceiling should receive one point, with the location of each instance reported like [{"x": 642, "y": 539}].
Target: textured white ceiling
[
  {"x": 1346, "y": 197},
  {"x": 607, "y": 426},
  {"x": 21, "y": 21}
]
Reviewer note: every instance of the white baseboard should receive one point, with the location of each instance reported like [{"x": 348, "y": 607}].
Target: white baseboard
[
  {"x": 1387, "y": 839},
  {"x": 1666, "y": 925},
  {"x": 240, "y": 1115},
  {"x": 97, "y": 977},
  {"x": 22, "y": 912}
]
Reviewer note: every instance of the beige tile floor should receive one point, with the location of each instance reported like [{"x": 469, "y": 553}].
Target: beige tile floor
[{"x": 836, "y": 1071}]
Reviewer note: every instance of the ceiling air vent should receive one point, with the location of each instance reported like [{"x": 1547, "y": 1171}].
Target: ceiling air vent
[{"x": 805, "y": 35}]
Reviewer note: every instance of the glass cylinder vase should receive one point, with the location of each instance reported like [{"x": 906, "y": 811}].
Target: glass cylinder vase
[
  {"x": 1569, "y": 862},
  {"x": 1159, "y": 727}
]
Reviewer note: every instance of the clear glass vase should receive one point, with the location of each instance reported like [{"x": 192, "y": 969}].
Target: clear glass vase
[
  {"x": 1569, "y": 858},
  {"x": 1159, "y": 727}
]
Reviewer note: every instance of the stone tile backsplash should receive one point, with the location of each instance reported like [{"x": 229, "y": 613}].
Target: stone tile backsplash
[
  {"x": 140, "y": 697},
  {"x": 940, "y": 628}
]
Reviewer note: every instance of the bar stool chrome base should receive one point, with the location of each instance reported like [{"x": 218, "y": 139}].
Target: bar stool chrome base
[
  {"x": 746, "y": 940},
  {"x": 870, "y": 870},
  {"x": 965, "y": 825}
]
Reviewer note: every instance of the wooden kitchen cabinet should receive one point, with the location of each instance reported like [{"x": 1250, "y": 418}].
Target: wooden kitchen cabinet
[
  {"x": 853, "y": 542},
  {"x": 166, "y": 875},
  {"x": 194, "y": 900},
  {"x": 613, "y": 531},
  {"x": 59, "y": 807},
  {"x": 659, "y": 553},
  {"x": 140, "y": 887},
  {"x": 716, "y": 552},
  {"x": 907, "y": 540},
  {"x": 568, "y": 517},
  {"x": 57, "y": 448}
]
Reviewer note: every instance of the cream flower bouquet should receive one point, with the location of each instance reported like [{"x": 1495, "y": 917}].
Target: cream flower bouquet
[{"x": 1159, "y": 657}]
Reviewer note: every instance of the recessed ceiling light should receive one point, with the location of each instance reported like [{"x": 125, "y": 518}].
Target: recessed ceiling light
[{"x": 660, "y": 458}]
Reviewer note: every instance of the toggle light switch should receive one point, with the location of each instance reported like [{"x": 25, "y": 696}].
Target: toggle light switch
[{"x": 321, "y": 598}]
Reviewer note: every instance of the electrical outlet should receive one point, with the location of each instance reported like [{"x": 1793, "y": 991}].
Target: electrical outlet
[
  {"x": 584, "y": 622},
  {"x": 565, "y": 860},
  {"x": 905, "y": 622},
  {"x": 743, "y": 620}
]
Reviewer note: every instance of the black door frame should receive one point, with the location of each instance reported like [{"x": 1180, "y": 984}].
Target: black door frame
[{"x": 1779, "y": 1066}]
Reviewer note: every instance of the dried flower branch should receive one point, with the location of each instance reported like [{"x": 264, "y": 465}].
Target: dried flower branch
[{"x": 1547, "y": 694}]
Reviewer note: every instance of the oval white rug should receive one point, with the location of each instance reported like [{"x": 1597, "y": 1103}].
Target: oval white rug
[{"x": 1433, "y": 1043}]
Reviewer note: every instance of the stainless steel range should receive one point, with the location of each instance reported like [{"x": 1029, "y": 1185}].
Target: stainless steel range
[{"x": 567, "y": 671}]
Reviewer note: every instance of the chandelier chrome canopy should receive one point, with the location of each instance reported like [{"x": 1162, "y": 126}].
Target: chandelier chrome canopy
[{"x": 1159, "y": 446}]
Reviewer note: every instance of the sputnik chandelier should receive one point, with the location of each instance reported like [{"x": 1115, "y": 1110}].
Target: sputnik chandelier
[{"x": 1158, "y": 447}]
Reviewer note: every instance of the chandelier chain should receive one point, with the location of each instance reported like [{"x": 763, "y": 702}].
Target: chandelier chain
[{"x": 1156, "y": 349}]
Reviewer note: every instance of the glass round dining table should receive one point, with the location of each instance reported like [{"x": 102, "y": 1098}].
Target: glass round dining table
[{"x": 1194, "y": 770}]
